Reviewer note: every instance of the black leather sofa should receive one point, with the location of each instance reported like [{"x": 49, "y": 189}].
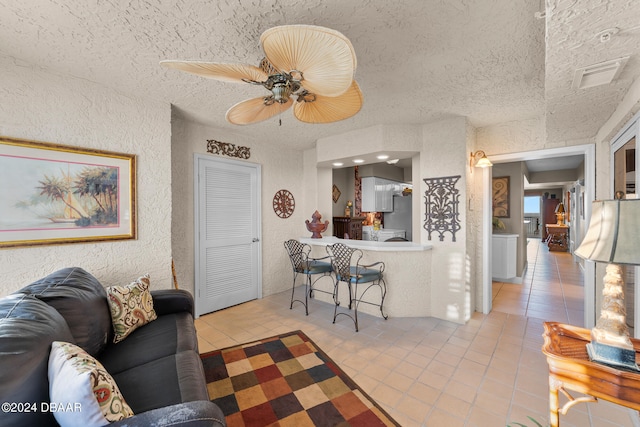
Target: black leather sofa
[{"x": 157, "y": 368}]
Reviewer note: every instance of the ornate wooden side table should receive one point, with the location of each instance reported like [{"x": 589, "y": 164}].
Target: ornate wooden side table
[
  {"x": 571, "y": 370},
  {"x": 557, "y": 237},
  {"x": 350, "y": 226}
]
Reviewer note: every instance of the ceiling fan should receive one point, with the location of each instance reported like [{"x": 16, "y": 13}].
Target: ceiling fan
[{"x": 308, "y": 67}]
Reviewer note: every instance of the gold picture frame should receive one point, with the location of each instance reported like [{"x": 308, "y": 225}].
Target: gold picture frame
[
  {"x": 335, "y": 193},
  {"x": 53, "y": 194},
  {"x": 501, "y": 197}
]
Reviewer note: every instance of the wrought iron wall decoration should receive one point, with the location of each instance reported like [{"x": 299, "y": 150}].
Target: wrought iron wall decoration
[
  {"x": 442, "y": 201},
  {"x": 227, "y": 149},
  {"x": 283, "y": 203}
]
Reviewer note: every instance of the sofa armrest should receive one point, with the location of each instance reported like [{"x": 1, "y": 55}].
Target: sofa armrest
[
  {"x": 168, "y": 301},
  {"x": 200, "y": 413}
]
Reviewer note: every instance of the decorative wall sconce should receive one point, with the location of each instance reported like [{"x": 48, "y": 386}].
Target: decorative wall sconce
[{"x": 482, "y": 161}]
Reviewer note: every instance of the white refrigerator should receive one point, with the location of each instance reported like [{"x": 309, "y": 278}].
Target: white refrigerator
[{"x": 400, "y": 218}]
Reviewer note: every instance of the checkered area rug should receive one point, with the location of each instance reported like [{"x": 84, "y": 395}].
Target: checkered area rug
[{"x": 287, "y": 380}]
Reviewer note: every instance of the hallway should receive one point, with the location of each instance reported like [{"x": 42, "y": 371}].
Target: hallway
[{"x": 552, "y": 288}]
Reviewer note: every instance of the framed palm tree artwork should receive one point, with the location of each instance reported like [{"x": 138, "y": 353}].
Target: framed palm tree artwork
[{"x": 54, "y": 194}]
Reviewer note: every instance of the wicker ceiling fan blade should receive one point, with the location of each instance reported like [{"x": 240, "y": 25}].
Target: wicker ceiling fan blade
[
  {"x": 327, "y": 109},
  {"x": 255, "y": 110},
  {"x": 325, "y": 57},
  {"x": 235, "y": 73}
]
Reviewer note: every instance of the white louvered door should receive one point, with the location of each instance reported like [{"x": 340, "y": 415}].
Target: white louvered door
[{"x": 228, "y": 268}]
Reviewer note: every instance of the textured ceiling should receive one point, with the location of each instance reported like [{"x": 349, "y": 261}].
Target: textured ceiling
[
  {"x": 573, "y": 42},
  {"x": 418, "y": 60}
]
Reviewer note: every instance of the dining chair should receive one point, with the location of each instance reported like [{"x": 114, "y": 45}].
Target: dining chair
[
  {"x": 360, "y": 278},
  {"x": 302, "y": 263}
]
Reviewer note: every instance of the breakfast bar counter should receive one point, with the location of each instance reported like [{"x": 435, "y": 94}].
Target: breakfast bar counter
[
  {"x": 369, "y": 245},
  {"x": 407, "y": 274}
]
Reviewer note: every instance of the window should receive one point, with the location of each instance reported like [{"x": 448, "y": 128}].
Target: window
[{"x": 532, "y": 205}]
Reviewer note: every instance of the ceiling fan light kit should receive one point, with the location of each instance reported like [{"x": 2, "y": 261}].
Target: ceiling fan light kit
[{"x": 308, "y": 67}]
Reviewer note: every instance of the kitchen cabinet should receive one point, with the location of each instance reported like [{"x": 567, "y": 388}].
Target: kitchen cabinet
[
  {"x": 377, "y": 194},
  {"x": 503, "y": 259}
]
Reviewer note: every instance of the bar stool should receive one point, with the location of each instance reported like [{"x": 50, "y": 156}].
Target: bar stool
[
  {"x": 347, "y": 269},
  {"x": 301, "y": 263}
]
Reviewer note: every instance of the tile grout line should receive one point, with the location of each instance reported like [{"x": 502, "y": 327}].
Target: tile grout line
[{"x": 535, "y": 265}]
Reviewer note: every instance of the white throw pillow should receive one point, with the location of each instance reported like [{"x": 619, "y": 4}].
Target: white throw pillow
[{"x": 80, "y": 383}]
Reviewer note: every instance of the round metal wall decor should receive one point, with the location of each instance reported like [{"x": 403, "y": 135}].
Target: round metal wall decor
[{"x": 283, "y": 203}]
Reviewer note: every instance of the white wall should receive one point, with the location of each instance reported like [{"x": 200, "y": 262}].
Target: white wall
[
  {"x": 344, "y": 179},
  {"x": 281, "y": 169},
  {"x": 39, "y": 105},
  {"x": 451, "y": 268},
  {"x": 509, "y": 137},
  {"x": 514, "y": 224}
]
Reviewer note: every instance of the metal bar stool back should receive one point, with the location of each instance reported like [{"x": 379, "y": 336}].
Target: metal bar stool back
[
  {"x": 348, "y": 269},
  {"x": 302, "y": 263}
]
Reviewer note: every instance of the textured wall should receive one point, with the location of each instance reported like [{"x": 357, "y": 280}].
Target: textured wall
[
  {"x": 47, "y": 107},
  {"x": 281, "y": 169},
  {"x": 344, "y": 179},
  {"x": 510, "y": 137},
  {"x": 451, "y": 268},
  {"x": 407, "y": 275},
  {"x": 514, "y": 224}
]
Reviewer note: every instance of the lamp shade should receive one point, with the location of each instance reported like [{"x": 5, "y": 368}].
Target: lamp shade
[
  {"x": 484, "y": 162},
  {"x": 613, "y": 235},
  {"x": 560, "y": 208}
]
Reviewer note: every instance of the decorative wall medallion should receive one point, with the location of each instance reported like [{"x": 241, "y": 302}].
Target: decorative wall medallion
[
  {"x": 442, "y": 200},
  {"x": 335, "y": 193},
  {"x": 283, "y": 203},
  {"x": 227, "y": 149}
]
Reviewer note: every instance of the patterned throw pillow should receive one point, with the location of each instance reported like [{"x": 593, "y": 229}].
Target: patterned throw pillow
[
  {"x": 80, "y": 384},
  {"x": 131, "y": 307}
]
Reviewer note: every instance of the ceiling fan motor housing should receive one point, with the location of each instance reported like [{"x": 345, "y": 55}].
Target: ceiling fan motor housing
[{"x": 282, "y": 86}]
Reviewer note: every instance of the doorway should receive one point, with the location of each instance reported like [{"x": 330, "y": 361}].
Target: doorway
[
  {"x": 227, "y": 233},
  {"x": 589, "y": 190}
]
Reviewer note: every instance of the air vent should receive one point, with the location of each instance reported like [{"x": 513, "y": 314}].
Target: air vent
[{"x": 598, "y": 74}]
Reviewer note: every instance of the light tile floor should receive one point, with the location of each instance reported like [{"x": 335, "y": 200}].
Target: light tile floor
[{"x": 429, "y": 372}]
